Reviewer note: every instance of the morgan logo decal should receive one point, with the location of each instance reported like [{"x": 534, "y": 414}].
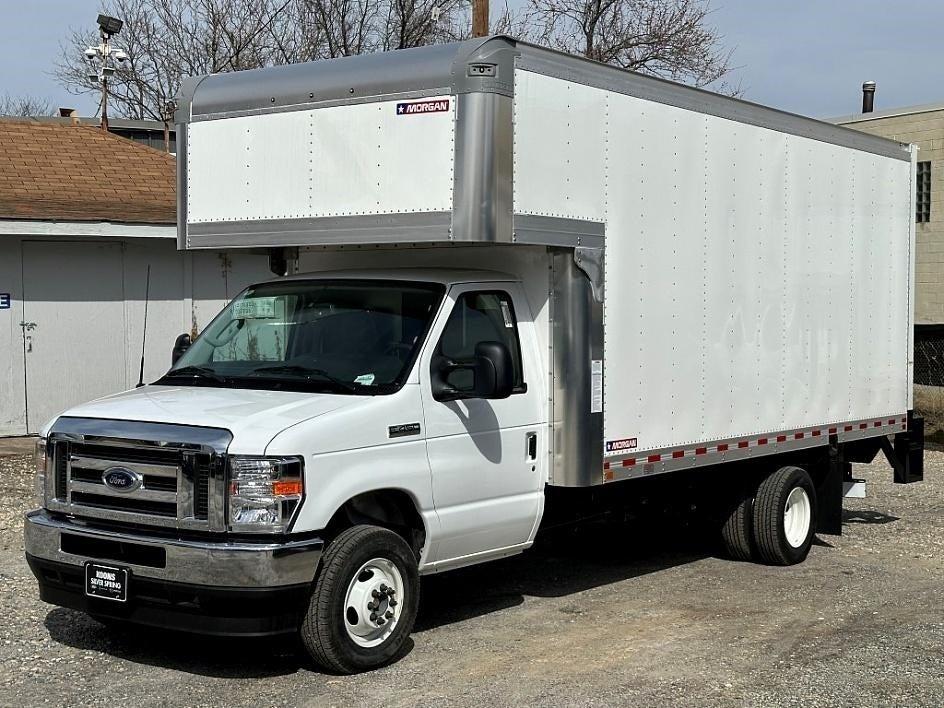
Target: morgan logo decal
[
  {"x": 620, "y": 445},
  {"x": 398, "y": 431},
  {"x": 415, "y": 107}
]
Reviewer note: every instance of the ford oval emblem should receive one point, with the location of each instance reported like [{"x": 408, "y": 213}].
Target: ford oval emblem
[{"x": 121, "y": 479}]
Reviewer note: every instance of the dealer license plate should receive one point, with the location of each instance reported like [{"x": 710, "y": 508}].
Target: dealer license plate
[{"x": 106, "y": 581}]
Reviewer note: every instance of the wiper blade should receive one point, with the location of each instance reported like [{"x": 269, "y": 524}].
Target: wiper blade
[
  {"x": 304, "y": 371},
  {"x": 197, "y": 372}
]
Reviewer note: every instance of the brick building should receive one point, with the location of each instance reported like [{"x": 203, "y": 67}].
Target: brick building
[{"x": 923, "y": 126}]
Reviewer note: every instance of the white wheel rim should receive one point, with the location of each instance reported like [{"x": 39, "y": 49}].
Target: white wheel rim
[
  {"x": 373, "y": 602},
  {"x": 796, "y": 517}
]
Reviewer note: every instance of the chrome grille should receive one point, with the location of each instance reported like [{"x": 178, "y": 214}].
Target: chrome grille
[
  {"x": 181, "y": 471},
  {"x": 158, "y": 494}
]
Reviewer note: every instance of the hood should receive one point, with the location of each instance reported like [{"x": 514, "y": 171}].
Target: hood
[{"x": 254, "y": 417}]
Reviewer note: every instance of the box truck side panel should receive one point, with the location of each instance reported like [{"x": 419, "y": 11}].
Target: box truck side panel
[
  {"x": 559, "y": 148},
  {"x": 765, "y": 274},
  {"x": 757, "y": 281},
  {"x": 385, "y": 157}
]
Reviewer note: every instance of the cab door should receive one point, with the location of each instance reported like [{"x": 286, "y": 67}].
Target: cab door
[{"x": 488, "y": 471}]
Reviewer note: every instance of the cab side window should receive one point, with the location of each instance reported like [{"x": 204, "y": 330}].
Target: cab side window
[{"x": 480, "y": 317}]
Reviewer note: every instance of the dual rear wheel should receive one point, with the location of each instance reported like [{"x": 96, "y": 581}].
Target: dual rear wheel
[{"x": 775, "y": 523}]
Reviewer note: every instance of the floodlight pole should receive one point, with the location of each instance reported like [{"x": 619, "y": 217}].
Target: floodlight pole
[{"x": 105, "y": 55}]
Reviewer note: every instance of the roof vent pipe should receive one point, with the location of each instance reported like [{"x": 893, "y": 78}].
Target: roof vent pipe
[{"x": 868, "y": 96}]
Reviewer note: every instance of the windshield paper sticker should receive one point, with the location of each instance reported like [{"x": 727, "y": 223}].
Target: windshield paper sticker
[
  {"x": 412, "y": 108},
  {"x": 506, "y": 315},
  {"x": 258, "y": 308},
  {"x": 614, "y": 446},
  {"x": 596, "y": 386},
  {"x": 365, "y": 379}
]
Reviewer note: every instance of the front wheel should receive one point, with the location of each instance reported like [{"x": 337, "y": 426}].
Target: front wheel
[{"x": 364, "y": 603}]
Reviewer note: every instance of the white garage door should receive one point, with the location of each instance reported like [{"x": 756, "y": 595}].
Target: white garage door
[{"x": 74, "y": 316}]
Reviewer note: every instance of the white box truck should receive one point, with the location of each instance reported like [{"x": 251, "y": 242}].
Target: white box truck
[{"x": 514, "y": 275}]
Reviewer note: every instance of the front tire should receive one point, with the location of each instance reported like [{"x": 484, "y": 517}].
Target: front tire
[
  {"x": 364, "y": 603},
  {"x": 785, "y": 516}
]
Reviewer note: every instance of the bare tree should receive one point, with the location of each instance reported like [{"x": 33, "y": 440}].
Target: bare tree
[
  {"x": 667, "y": 38},
  {"x": 166, "y": 40},
  {"x": 23, "y": 106}
]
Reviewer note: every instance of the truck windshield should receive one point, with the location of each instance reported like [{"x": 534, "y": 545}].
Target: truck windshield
[{"x": 342, "y": 336}]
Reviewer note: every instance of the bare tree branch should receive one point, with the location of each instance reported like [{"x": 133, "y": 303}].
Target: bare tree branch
[
  {"x": 667, "y": 38},
  {"x": 166, "y": 40},
  {"x": 25, "y": 105}
]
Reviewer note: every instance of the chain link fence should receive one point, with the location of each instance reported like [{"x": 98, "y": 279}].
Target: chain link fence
[{"x": 929, "y": 355}]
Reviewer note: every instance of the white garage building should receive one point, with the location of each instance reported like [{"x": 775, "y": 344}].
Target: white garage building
[{"x": 83, "y": 213}]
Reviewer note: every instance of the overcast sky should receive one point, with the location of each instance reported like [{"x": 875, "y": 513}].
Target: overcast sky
[{"x": 806, "y": 56}]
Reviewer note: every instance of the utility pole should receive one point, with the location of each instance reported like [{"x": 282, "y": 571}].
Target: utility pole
[{"x": 479, "y": 18}]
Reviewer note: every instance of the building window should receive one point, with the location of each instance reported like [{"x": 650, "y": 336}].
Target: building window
[{"x": 923, "y": 200}]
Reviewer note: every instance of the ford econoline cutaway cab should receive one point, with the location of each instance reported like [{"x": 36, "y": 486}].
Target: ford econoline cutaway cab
[{"x": 397, "y": 415}]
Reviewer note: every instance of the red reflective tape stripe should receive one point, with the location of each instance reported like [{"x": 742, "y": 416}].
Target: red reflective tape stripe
[
  {"x": 723, "y": 447},
  {"x": 863, "y": 426},
  {"x": 761, "y": 441},
  {"x": 798, "y": 436},
  {"x": 891, "y": 422},
  {"x": 654, "y": 458},
  {"x": 904, "y": 420},
  {"x": 877, "y": 424},
  {"x": 743, "y": 443},
  {"x": 677, "y": 454},
  {"x": 629, "y": 462},
  {"x": 832, "y": 431},
  {"x": 703, "y": 450},
  {"x": 816, "y": 433},
  {"x": 606, "y": 465},
  {"x": 781, "y": 438},
  {"x": 848, "y": 428}
]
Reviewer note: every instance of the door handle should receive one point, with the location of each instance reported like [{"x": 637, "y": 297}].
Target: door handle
[
  {"x": 531, "y": 445},
  {"x": 29, "y": 343}
]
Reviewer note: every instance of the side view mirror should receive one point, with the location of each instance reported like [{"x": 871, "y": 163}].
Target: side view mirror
[
  {"x": 492, "y": 373},
  {"x": 181, "y": 344}
]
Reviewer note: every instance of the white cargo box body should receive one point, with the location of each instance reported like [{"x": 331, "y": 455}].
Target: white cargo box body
[{"x": 727, "y": 280}]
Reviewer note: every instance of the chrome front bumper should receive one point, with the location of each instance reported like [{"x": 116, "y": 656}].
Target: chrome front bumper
[{"x": 217, "y": 564}]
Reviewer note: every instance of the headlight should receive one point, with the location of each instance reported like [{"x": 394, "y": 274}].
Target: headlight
[
  {"x": 39, "y": 471},
  {"x": 264, "y": 492}
]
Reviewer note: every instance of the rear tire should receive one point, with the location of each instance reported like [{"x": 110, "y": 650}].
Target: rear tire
[
  {"x": 737, "y": 531},
  {"x": 354, "y": 622},
  {"x": 785, "y": 516}
]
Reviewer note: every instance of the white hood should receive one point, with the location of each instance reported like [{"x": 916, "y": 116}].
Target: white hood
[{"x": 254, "y": 417}]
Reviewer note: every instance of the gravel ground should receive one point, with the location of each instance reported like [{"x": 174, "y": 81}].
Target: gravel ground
[{"x": 623, "y": 621}]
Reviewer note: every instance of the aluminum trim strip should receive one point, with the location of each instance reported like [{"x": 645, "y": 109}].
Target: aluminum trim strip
[
  {"x": 558, "y": 231},
  {"x": 216, "y": 564},
  {"x": 328, "y": 103},
  {"x": 96, "y": 463},
  {"x": 642, "y": 463},
  {"x": 133, "y": 433},
  {"x": 323, "y": 231},
  {"x": 160, "y": 497}
]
